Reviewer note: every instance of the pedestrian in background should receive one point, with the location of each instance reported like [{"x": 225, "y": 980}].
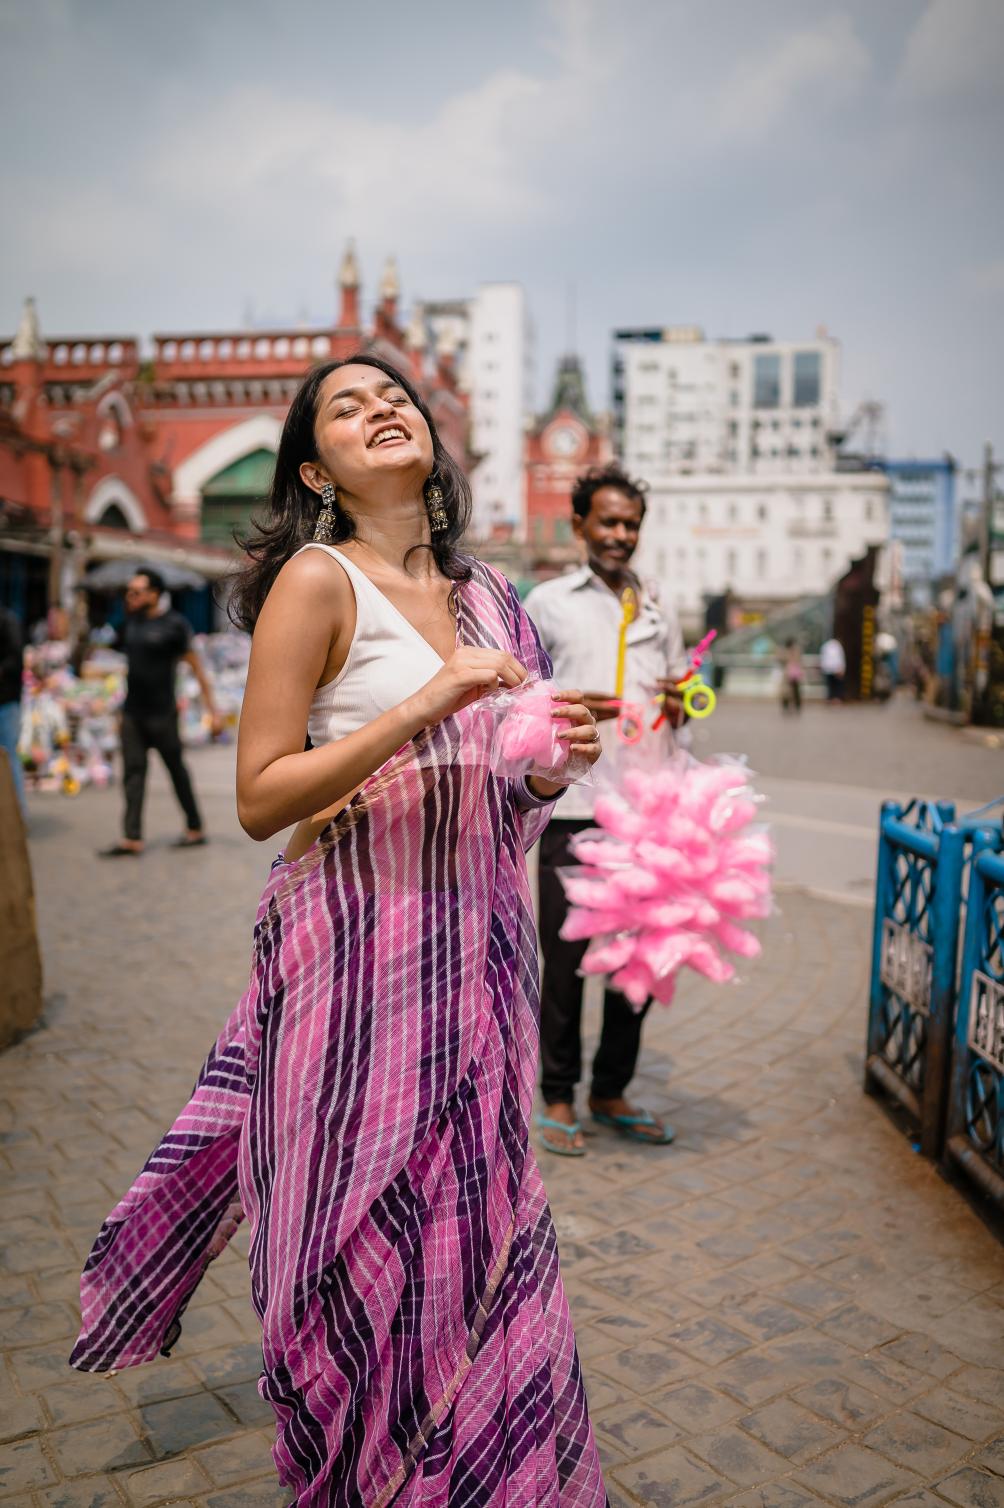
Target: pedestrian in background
[
  {"x": 792, "y": 676},
  {"x": 833, "y": 664},
  {"x": 578, "y": 617},
  {"x": 11, "y": 679},
  {"x": 153, "y": 639}
]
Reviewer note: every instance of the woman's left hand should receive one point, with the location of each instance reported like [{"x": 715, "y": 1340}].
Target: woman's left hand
[{"x": 582, "y": 735}]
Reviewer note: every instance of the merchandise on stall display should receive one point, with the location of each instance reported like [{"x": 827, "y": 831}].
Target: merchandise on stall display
[{"x": 69, "y": 723}]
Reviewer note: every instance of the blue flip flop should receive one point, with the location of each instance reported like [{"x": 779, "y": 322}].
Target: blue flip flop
[
  {"x": 628, "y": 1125},
  {"x": 571, "y": 1150}
]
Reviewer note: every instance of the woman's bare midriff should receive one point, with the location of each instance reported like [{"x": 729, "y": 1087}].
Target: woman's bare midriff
[{"x": 307, "y": 832}]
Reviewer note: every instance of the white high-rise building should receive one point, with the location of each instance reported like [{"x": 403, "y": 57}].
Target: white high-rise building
[
  {"x": 491, "y": 337},
  {"x": 683, "y": 404},
  {"x": 736, "y": 440}
]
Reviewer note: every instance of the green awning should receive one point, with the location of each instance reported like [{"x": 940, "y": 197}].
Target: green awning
[{"x": 249, "y": 477}]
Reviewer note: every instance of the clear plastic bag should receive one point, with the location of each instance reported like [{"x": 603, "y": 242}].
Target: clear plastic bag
[
  {"x": 672, "y": 875},
  {"x": 526, "y": 738}
]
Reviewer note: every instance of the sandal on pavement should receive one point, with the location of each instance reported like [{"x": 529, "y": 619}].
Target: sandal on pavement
[
  {"x": 570, "y": 1131},
  {"x": 628, "y": 1125},
  {"x": 119, "y": 851}
]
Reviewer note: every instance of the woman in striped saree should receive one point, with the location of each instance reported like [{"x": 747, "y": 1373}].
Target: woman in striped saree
[{"x": 367, "y": 1105}]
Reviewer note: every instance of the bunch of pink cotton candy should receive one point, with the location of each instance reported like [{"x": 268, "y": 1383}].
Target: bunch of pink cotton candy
[
  {"x": 669, "y": 878},
  {"x": 528, "y": 736}
]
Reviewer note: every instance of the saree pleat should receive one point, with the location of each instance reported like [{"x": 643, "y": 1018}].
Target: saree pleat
[{"x": 367, "y": 1108}]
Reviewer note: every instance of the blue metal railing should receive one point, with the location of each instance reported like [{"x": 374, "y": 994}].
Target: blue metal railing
[
  {"x": 918, "y": 899},
  {"x": 975, "y": 1129}
]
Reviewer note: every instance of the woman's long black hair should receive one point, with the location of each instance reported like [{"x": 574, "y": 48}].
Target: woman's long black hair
[{"x": 292, "y": 507}]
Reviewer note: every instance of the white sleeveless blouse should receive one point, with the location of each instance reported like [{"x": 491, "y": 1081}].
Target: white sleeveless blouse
[{"x": 388, "y": 659}]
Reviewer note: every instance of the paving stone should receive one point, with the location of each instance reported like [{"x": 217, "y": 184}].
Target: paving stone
[
  {"x": 985, "y": 1384},
  {"x": 179, "y": 1423},
  {"x": 766, "y": 1318},
  {"x": 106, "y": 1445},
  {"x": 710, "y": 1340},
  {"x": 158, "y": 1380},
  {"x": 886, "y": 1377},
  {"x": 221, "y": 1369},
  {"x": 264, "y": 1494},
  {"x": 635, "y": 1429},
  {"x": 775, "y": 1495},
  {"x": 860, "y": 1328},
  {"x": 88, "y": 1397},
  {"x": 18, "y": 1417},
  {"x": 246, "y": 1402},
  {"x": 917, "y": 1443},
  {"x": 791, "y": 1430},
  {"x": 923, "y": 1354},
  {"x": 85, "y": 1492},
  {"x": 963, "y": 1415},
  {"x": 815, "y": 1295},
  {"x": 971, "y": 1488},
  {"x": 855, "y": 1476},
  {"x": 733, "y": 1454},
  {"x": 671, "y": 1479},
  {"x": 842, "y": 1402},
  {"x": 695, "y": 1407},
  {"x": 23, "y": 1466},
  {"x": 168, "y": 1479},
  {"x": 651, "y": 1365},
  {"x": 992, "y": 1456},
  {"x": 242, "y": 1457}
]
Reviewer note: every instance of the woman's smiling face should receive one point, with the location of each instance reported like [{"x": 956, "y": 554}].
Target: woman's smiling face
[{"x": 367, "y": 428}]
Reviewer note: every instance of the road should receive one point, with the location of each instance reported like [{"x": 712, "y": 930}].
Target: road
[
  {"x": 786, "y": 1307},
  {"x": 826, "y": 773}
]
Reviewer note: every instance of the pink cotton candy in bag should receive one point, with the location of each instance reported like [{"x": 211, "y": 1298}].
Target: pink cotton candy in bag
[
  {"x": 526, "y": 736},
  {"x": 668, "y": 876}
]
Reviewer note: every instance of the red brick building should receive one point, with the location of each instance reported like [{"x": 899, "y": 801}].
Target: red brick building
[
  {"x": 563, "y": 443},
  {"x": 107, "y": 450}
]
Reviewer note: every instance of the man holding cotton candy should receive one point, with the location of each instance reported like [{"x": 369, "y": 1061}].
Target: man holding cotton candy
[{"x": 603, "y": 627}]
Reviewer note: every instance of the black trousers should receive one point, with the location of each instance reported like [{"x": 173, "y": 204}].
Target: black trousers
[
  {"x": 561, "y": 993},
  {"x": 139, "y": 736}
]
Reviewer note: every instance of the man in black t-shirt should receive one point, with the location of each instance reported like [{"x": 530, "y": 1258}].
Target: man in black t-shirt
[{"x": 153, "y": 641}]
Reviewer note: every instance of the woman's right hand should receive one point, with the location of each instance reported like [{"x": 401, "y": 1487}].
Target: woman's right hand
[{"x": 466, "y": 675}]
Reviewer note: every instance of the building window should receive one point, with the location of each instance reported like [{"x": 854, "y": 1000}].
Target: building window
[
  {"x": 808, "y": 379},
  {"x": 730, "y": 562},
  {"x": 562, "y": 531},
  {"x": 761, "y": 563},
  {"x": 733, "y": 513},
  {"x": 827, "y": 510},
  {"x": 869, "y": 510},
  {"x": 761, "y": 512},
  {"x": 766, "y": 381}
]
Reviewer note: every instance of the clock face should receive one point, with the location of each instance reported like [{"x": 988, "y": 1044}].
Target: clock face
[{"x": 563, "y": 440}]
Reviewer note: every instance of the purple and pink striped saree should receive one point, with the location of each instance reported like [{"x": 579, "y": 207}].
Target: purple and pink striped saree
[{"x": 367, "y": 1108}]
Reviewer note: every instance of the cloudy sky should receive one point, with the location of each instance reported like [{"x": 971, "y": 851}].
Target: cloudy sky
[{"x": 768, "y": 165}]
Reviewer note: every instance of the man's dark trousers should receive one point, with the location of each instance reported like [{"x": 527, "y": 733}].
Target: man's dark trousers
[
  {"x": 561, "y": 992},
  {"x": 140, "y": 734}
]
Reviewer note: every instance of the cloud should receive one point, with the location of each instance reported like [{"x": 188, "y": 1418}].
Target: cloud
[
  {"x": 828, "y": 61},
  {"x": 955, "y": 49}
]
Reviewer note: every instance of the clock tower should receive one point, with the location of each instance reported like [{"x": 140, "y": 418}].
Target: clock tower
[{"x": 561, "y": 444}]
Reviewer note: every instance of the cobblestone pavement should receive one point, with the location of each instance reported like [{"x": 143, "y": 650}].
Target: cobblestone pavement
[{"x": 785, "y": 1307}]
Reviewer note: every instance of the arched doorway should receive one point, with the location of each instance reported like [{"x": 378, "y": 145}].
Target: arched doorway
[
  {"x": 114, "y": 518},
  {"x": 233, "y": 495}
]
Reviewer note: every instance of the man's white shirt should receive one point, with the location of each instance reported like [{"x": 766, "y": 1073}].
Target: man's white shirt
[{"x": 578, "y": 618}]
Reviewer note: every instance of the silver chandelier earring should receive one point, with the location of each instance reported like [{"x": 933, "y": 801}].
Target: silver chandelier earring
[
  {"x": 438, "y": 518},
  {"x": 325, "y": 528}
]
